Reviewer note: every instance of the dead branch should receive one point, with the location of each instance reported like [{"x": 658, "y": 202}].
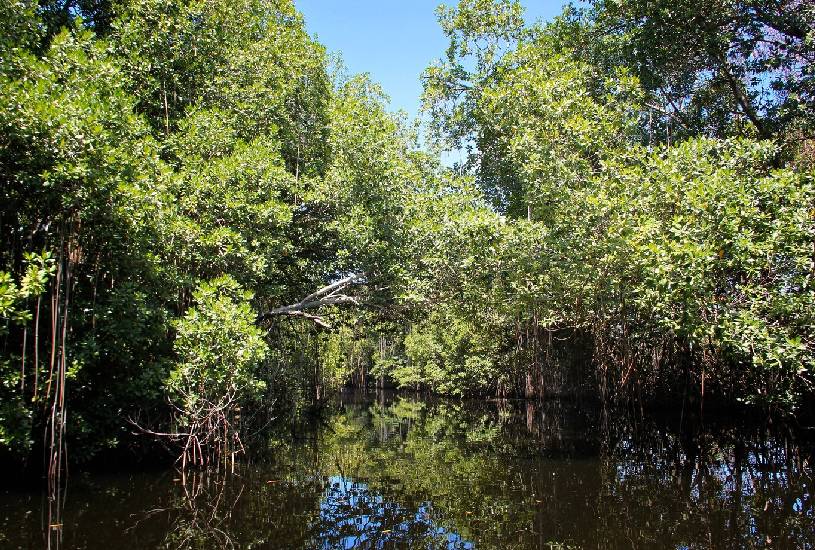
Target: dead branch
[{"x": 329, "y": 295}]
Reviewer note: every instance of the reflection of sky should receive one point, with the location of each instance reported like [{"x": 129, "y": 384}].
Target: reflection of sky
[
  {"x": 352, "y": 516},
  {"x": 761, "y": 473}
]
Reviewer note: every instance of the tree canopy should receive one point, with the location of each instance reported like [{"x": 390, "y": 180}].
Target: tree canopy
[{"x": 175, "y": 174}]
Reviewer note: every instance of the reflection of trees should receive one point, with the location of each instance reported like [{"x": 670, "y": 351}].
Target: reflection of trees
[
  {"x": 728, "y": 487},
  {"x": 354, "y": 516},
  {"x": 533, "y": 475},
  {"x": 203, "y": 510},
  {"x": 417, "y": 457},
  {"x": 235, "y": 510},
  {"x": 55, "y": 506},
  {"x": 500, "y": 474}
]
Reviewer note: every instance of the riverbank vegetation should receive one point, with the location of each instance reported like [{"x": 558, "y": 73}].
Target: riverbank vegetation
[{"x": 635, "y": 218}]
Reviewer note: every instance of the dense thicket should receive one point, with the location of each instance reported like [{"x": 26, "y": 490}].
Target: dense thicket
[
  {"x": 650, "y": 174},
  {"x": 639, "y": 181},
  {"x": 170, "y": 170}
]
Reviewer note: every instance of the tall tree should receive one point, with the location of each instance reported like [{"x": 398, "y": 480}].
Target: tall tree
[{"x": 721, "y": 67}]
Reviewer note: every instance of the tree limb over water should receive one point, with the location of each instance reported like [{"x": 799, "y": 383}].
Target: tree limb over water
[{"x": 329, "y": 295}]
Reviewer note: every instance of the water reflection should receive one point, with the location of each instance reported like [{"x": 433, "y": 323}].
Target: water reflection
[
  {"x": 353, "y": 516},
  {"x": 397, "y": 473}
]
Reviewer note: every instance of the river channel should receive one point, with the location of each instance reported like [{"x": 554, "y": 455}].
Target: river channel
[{"x": 378, "y": 471}]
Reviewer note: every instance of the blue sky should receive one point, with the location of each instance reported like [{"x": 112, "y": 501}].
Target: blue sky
[{"x": 393, "y": 40}]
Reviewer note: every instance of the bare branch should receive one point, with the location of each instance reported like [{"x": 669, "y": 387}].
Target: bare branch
[
  {"x": 332, "y": 288},
  {"x": 326, "y": 296}
]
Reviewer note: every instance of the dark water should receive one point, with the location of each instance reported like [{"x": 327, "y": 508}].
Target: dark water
[{"x": 406, "y": 473}]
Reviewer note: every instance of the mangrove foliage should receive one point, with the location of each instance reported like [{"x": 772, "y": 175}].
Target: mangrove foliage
[{"x": 206, "y": 223}]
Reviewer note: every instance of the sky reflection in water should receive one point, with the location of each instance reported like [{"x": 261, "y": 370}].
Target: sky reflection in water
[
  {"x": 356, "y": 517},
  {"x": 381, "y": 472}
]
